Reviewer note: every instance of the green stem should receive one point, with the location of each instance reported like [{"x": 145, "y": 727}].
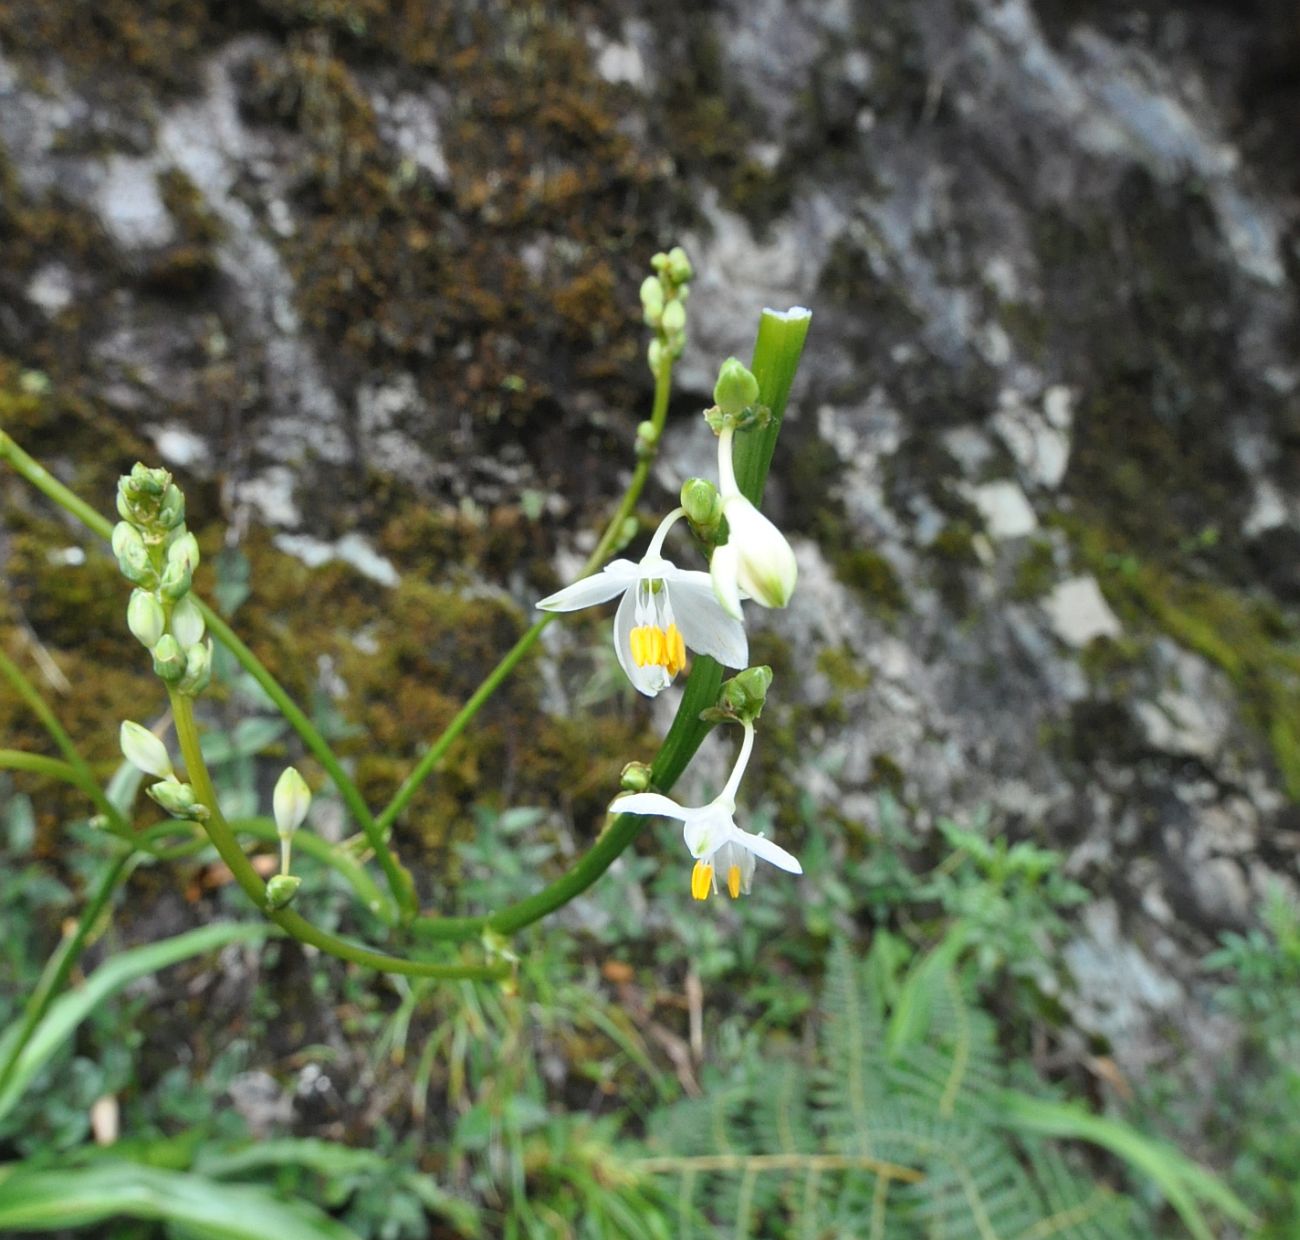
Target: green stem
[
  {"x": 776, "y": 358},
  {"x": 57, "y": 969},
  {"x": 398, "y": 879},
  {"x": 85, "y": 777},
  {"x": 223, "y": 839},
  {"x": 376, "y": 831},
  {"x": 608, "y": 540}
]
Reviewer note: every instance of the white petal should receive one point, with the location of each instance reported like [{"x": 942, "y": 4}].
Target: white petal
[
  {"x": 707, "y": 829},
  {"x": 615, "y": 577},
  {"x": 724, "y": 569},
  {"x": 773, "y": 853},
  {"x": 649, "y": 679},
  {"x": 705, "y": 626},
  {"x": 648, "y": 803}
]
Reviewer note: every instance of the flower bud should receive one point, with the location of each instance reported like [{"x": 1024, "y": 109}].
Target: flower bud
[
  {"x": 142, "y": 749},
  {"x": 655, "y": 355},
  {"x": 132, "y": 555},
  {"x": 178, "y": 799},
  {"x": 636, "y": 777},
  {"x": 184, "y": 550},
  {"x": 198, "y": 669},
  {"x": 743, "y": 695},
  {"x": 702, "y": 503},
  {"x": 675, "y": 265},
  {"x": 144, "y": 617},
  {"x": 187, "y": 622},
  {"x": 736, "y": 389},
  {"x": 175, "y": 581},
  {"x": 281, "y": 889},
  {"x": 652, "y": 300},
  {"x": 169, "y": 659},
  {"x": 673, "y": 320},
  {"x": 290, "y": 801},
  {"x": 171, "y": 510}
]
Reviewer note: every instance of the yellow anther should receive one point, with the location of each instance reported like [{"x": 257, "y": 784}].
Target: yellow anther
[
  {"x": 733, "y": 881},
  {"x": 676, "y": 659},
  {"x": 701, "y": 880}
]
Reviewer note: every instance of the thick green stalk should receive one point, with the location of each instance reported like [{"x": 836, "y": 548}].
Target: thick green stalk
[
  {"x": 776, "y": 358},
  {"x": 223, "y": 839},
  {"x": 608, "y": 540},
  {"x": 398, "y": 879},
  {"x": 85, "y": 777},
  {"x": 57, "y": 969}
]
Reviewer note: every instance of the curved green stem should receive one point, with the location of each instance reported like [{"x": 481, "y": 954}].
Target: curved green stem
[
  {"x": 776, "y": 358},
  {"x": 608, "y": 541},
  {"x": 223, "y": 839},
  {"x": 376, "y": 832},
  {"x": 59, "y": 966},
  {"x": 85, "y": 777},
  {"x": 398, "y": 879}
]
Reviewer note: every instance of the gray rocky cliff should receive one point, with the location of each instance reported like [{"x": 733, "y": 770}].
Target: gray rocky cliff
[{"x": 1041, "y": 464}]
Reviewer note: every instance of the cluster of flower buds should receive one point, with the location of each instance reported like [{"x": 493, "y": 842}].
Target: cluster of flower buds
[
  {"x": 158, "y": 555},
  {"x": 663, "y": 301},
  {"x": 143, "y": 750}
]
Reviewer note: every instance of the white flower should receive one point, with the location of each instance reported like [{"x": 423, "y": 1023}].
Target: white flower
[
  {"x": 717, "y": 844},
  {"x": 144, "y": 750},
  {"x": 756, "y": 558},
  {"x": 664, "y": 610}
]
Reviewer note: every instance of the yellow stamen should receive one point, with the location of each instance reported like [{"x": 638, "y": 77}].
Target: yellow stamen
[
  {"x": 676, "y": 650},
  {"x": 651, "y": 644},
  {"x": 701, "y": 880},
  {"x": 733, "y": 881}
]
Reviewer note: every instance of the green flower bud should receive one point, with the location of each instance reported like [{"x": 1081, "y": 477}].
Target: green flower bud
[
  {"x": 132, "y": 555},
  {"x": 703, "y": 504},
  {"x": 145, "y": 618},
  {"x": 673, "y": 320},
  {"x": 171, "y": 511},
  {"x": 175, "y": 581},
  {"x": 744, "y": 695},
  {"x": 736, "y": 389},
  {"x": 652, "y": 300},
  {"x": 143, "y": 750},
  {"x": 654, "y": 355},
  {"x": 290, "y": 801},
  {"x": 281, "y": 890},
  {"x": 169, "y": 659},
  {"x": 636, "y": 777},
  {"x": 185, "y": 550},
  {"x": 178, "y": 799},
  {"x": 198, "y": 669},
  {"x": 187, "y": 622},
  {"x": 679, "y": 266}
]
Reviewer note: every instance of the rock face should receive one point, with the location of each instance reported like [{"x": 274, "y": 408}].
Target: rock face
[{"x": 1042, "y": 462}]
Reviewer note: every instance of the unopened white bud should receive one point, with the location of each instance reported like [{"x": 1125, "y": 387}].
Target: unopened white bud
[
  {"x": 144, "y": 617},
  {"x": 144, "y": 750},
  {"x": 290, "y": 801},
  {"x": 187, "y": 622}
]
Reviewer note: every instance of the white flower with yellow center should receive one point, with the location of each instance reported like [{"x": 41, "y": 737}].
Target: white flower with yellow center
[
  {"x": 665, "y": 610},
  {"x": 717, "y": 844},
  {"x": 756, "y": 561}
]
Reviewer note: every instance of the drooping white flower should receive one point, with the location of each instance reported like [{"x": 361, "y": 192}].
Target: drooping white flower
[
  {"x": 720, "y": 848},
  {"x": 756, "y": 559},
  {"x": 664, "y": 610}
]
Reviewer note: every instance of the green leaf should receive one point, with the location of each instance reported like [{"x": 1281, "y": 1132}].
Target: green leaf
[
  {"x": 1180, "y": 1179},
  {"x": 50, "y": 1200},
  {"x": 68, "y": 1011}
]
